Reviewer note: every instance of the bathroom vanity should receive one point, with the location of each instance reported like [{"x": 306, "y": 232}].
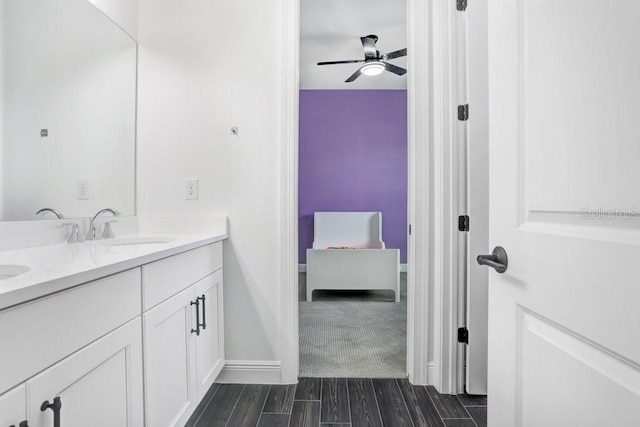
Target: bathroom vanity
[
  {"x": 120, "y": 332},
  {"x": 125, "y": 331}
]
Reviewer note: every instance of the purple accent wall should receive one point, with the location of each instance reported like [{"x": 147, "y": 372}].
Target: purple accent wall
[{"x": 353, "y": 157}]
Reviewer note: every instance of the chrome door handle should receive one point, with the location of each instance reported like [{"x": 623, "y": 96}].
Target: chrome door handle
[{"x": 498, "y": 260}]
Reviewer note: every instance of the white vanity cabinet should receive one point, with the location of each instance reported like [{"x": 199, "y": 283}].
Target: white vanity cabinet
[
  {"x": 183, "y": 334},
  {"x": 139, "y": 347},
  {"x": 82, "y": 345},
  {"x": 13, "y": 407}
]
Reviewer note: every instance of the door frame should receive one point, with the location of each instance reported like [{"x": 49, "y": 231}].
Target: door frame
[{"x": 432, "y": 279}]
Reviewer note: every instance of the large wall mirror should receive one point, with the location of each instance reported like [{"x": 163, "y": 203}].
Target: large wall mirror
[{"x": 68, "y": 110}]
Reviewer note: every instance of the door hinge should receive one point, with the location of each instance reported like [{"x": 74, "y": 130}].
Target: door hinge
[
  {"x": 461, "y": 5},
  {"x": 463, "y": 112},
  {"x": 463, "y": 223},
  {"x": 409, "y": 229},
  {"x": 463, "y": 335}
]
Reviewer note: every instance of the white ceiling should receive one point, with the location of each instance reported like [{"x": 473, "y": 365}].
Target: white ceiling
[{"x": 330, "y": 30}]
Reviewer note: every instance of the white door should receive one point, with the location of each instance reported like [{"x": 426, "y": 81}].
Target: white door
[
  {"x": 13, "y": 406},
  {"x": 564, "y": 341},
  {"x": 99, "y": 386},
  {"x": 169, "y": 347},
  {"x": 210, "y": 342}
]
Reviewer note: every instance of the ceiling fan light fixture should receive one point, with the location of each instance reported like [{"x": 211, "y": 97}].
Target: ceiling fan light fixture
[
  {"x": 372, "y": 68},
  {"x": 374, "y": 63}
]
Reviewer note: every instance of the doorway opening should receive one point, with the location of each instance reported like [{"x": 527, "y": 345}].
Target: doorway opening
[
  {"x": 353, "y": 160},
  {"x": 432, "y": 293}
]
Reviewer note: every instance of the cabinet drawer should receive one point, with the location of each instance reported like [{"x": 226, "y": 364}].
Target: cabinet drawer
[
  {"x": 37, "y": 334},
  {"x": 167, "y": 277}
]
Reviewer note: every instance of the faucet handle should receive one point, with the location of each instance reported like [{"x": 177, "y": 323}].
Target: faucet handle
[
  {"x": 107, "y": 233},
  {"x": 75, "y": 232}
]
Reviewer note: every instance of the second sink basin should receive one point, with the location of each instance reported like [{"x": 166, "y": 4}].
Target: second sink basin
[
  {"x": 136, "y": 241},
  {"x": 8, "y": 271}
]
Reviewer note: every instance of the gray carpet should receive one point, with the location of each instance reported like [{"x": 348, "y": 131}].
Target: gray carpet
[{"x": 356, "y": 334}]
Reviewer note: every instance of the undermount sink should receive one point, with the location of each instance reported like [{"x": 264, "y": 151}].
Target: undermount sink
[
  {"x": 8, "y": 271},
  {"x": 136, "y": 241}
]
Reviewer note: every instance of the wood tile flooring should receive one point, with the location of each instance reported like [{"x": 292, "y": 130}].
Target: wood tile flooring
[{"x": 337, "y": 402}]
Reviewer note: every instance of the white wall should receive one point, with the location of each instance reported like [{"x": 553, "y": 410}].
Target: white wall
[
  {"x": 205, "y": 66},
  {"x": 122, "y": 12},
  {"x": 1, "y": 106}
]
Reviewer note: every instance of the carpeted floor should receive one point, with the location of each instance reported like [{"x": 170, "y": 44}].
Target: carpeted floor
[{"x": 355, "y": 334}]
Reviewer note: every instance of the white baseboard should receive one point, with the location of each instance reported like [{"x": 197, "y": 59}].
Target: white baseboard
[
  {"x": 250, "y": 372},
  {"x": 302, "y": 268}
]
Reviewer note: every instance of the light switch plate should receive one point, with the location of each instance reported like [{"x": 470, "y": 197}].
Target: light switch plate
[
  {"x": 83, "y": 190},
  {"x": 191, "y": 189}
]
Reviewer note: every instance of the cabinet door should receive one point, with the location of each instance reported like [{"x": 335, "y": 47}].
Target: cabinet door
[
  {"x": 170, "y": 361},
  {"x": 210, "y": 343},
  {"x": 13, "y": 406},
  {"x": 99, "y": 385}
]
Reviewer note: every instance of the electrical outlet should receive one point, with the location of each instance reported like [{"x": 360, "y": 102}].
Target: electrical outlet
[
  {"x": 82, "y": 190},
  {"x": 191, "y": 189}
]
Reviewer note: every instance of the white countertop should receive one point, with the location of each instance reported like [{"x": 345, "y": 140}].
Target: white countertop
[{"x": 60, "y": 266}]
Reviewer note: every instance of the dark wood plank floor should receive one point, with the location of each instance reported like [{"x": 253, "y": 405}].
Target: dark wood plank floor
[{"x": 337, "y": 402}]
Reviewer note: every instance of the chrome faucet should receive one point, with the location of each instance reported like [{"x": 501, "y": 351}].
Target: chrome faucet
[
  {"x": 107, "y": 234},
  {"x": 53, "y": 211},
  {"x": 74, "y": 237}
]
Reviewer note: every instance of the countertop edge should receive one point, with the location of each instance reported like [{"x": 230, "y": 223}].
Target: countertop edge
[{"x": 26, "y": 294}]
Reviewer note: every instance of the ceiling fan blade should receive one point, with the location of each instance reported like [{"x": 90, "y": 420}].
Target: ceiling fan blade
[
  {"x": 354, "y": 76},
  {"x": 350, "y": 61},
  {"x": 394, "y": 69},
  {"x": 369, "y": 44},
  {"x": 394, "y": 54}
]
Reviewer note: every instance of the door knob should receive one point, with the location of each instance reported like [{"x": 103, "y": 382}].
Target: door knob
[{"x": 498, "y": 260}]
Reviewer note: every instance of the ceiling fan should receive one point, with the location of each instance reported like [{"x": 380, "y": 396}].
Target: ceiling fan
[{"x": 374, "y": 63}]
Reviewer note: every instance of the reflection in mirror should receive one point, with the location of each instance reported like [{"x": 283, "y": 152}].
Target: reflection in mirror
[{"x": 67, "y": 116}]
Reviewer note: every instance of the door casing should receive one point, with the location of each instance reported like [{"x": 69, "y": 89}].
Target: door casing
[{"x": 432, "y": 280}]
